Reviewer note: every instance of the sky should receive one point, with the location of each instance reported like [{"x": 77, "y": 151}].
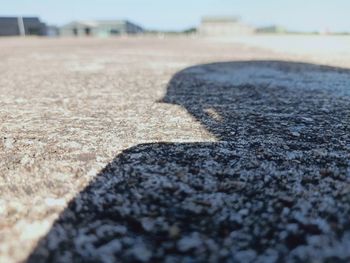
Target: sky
[{"x": 300, "y": 15}]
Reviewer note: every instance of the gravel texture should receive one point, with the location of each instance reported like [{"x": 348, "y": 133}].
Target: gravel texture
[{"x": 240, "y": 161}]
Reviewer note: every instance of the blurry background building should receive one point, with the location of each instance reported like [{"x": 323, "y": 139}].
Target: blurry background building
[
  {"x": 101, "y": 28},
  {"x": 271, "y": 30},
  {"x": 16, "y": 26},
  {"x": 224, "y": 26},
  {"x": 52, "y": 31}
]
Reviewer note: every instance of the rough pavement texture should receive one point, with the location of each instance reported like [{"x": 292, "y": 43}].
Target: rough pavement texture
[{"x": 236, "y": 162}]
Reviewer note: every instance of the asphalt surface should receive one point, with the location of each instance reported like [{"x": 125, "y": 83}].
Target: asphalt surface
[{"x": 171, "y": 150}]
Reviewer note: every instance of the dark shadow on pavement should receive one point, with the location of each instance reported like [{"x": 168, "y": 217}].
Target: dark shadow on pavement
[{"x": 274, "y": 188}]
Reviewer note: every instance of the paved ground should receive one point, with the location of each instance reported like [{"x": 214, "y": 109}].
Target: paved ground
[
  {"x": 175, "y": 150},
  {"x": 328, "y": 49}
]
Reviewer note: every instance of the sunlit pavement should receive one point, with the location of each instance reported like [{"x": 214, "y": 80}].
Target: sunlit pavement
[
  {"x": 72, "y": 109},
  {"x": 325, "y": 49}
]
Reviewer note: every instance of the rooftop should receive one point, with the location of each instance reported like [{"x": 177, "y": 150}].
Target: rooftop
[{"x": 94, "y": 23}]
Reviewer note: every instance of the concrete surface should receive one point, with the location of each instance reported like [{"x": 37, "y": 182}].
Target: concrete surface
[
  {"x": 151, "y": 150},
  {"x": 326, "y": 49}
]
